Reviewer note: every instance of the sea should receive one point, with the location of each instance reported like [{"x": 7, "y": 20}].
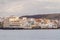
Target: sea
[{"x": 43, "y": 34}]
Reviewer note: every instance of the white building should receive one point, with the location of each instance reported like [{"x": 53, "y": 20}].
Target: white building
[
  {"x": 26, "y": 22},
  {"x": 11, "y": 22},
  {"x": 49, "y": 24}
]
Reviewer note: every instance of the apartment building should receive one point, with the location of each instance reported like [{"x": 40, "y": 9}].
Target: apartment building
[
  {"x": 11, "y": 22},
  {"x": 24, "y": 22}
]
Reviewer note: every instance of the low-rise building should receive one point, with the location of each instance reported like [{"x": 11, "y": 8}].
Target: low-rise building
[
  {"x": 1, "y": 22},
  {"x": 24, "y": 22}
]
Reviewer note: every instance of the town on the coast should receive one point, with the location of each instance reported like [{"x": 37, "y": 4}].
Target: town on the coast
[{"x": 51, "y": 21}]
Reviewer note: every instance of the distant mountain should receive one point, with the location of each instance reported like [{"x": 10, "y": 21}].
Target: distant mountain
[{"x": 50, "y": 16}]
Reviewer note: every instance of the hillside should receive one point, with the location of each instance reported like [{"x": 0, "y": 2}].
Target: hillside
[{"x": 50, "y": 16}]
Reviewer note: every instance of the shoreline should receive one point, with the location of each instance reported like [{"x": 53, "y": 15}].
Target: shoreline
[{"x": 28, "y": 29}]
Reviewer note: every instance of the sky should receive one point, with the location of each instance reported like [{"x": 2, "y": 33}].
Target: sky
[{"x": 28, "y": 7}]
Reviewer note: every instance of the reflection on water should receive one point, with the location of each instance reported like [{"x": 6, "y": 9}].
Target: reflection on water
[{"x": 53, "y": 34}]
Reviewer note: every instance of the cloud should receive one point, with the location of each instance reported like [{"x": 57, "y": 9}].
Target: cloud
[
  {"x": 52, "y": 7},
  {"x": 14, "y": 8},
  {"x": 49, "y": 0},
  {"x": 53, "y": 0},
  {"x": 27, "y": 7}
]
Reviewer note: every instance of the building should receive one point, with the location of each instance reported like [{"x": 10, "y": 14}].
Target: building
[
  {"x": 24, "y": 22},
  {"x": 1, "y": 22},
  {"x": 11, "y": 22},
  {"x": 48, "y": 23}
]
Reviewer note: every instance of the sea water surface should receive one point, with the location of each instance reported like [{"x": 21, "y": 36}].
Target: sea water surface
[{"x": 30, "y": 34}]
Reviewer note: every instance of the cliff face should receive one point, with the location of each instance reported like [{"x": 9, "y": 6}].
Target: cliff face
[{"x": 51, "y": 16}]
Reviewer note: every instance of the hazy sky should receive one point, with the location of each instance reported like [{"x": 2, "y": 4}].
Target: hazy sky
[{"x": 28, "y": 7}]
